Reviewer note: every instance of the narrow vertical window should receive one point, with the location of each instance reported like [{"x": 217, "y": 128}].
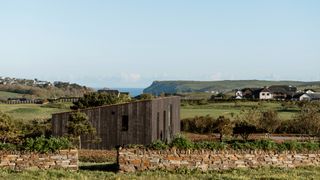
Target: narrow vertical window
[
  {"x": 164, "y": 124},
  {"x": 158, "y": 125},
  {"x": 125, "y": 123}
]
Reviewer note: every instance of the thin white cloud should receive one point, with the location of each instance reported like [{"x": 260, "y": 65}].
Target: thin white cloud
[{"x": 130, "y": 77}]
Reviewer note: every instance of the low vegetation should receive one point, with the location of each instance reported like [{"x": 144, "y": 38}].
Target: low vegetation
[
  {"x": 258, "y": 120},
  {"x": 182, "y": 142}
]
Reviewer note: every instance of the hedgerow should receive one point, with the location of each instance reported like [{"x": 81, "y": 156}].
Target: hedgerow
[
  {"x": 40, "y": 144},
  {"x": 180, "y": 142}
]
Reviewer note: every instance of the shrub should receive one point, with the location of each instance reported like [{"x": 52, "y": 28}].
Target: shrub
[
  {"x": 198, "y": 124},
  {"x": 244, "y": 129},
  {"x": 293, "y": 145},
  {"x": 269, "y": 121},
  {"x": 7, "y": 147},
  {"x": 266, "y": 145},
  {"x": 224, "y": 126},
  {"x": 158, "y": 145},
  {"x": 46, "y": 145},
  {"x": 181, "y": 142}
]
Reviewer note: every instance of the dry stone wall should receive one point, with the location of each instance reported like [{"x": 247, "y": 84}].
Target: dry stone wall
[
  {"x": 131, "y": 160},
  {"x": 64, "y": 159}
]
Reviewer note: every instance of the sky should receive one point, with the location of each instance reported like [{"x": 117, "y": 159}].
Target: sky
[{"x": 126, "y": 43}]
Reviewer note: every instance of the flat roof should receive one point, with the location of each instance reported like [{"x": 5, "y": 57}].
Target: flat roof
[{"x": 111, "y": 105}]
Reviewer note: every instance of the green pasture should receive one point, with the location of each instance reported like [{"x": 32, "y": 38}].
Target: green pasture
[
  {"x": 5, "y": 95},
  {"x": 33, "y": 111},
  {"x": 231, "y": 109}
]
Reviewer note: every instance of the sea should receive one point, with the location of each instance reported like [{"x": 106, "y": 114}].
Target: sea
[{"x": 133, "y": 91}]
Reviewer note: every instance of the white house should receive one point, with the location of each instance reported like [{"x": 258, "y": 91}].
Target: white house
[
  {"x": 309, "y": 91},
  {"x": 239, "y": 94},
  {"x": 265, "y": 94},
  {"x": 310, "y": 97}
]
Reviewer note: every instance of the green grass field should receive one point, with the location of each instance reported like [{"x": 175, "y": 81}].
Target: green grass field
[
  {"x": 231, "y": 109},
  {"x": 5, "y": 95},
  {"x": 245, "y": 174},
  {"x": 32, "y": 111}
]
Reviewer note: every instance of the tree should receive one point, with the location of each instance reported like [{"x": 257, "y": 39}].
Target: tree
[
  {"x": 224, "y": 126},
  {"x": 269, "y": 121},
  {"x": 307, "y": 121},
  {"x": 79, "y": 124},
  {"x": 244, "y": 129},
  {"x": 7, "y": 129},
  {"x": 145, "y": 96},
  {"x": 99, "y": 99},
  {"x": 37, "y": 128},
  {"x": 246, "y": 123}
]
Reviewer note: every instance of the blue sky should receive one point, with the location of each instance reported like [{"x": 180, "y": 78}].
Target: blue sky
[{"x": 129, "y": 43}]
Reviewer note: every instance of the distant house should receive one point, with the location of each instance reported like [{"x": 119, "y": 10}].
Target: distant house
[
  {"x": 297, "y": 96},
  {"x": 251, "y": 93},
  {"x": 278, "y": 92},
  {"x": 283, "y": 91},
  {"x": 266, "y": 94},
  {"x": 309, "y": 91},
  {"x": 310, "y": 97},
  {"x": 238, "y": 94}
]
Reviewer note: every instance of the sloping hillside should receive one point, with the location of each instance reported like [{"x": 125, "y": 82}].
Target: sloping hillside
[{"x": 158, "y": 87}]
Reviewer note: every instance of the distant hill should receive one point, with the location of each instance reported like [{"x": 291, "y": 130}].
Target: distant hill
[
  {"x": 158, "y": 87},
  {"x": 29, "y": 88}
]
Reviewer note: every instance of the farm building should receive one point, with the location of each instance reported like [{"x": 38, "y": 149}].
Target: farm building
[{"x": 140, "y": 122}]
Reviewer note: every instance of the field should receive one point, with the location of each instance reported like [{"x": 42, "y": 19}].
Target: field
[
  {"x": 231, "y": 109},
  {"x": 101, "y": 172},
  {"x": 28, "y": 112},
  {"x": 5, "y": 95}
]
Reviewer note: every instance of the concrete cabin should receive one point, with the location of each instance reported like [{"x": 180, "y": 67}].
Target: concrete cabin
[{"x": 140, "y": 122}]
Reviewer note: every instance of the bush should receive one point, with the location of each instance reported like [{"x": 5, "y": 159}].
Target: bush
[
  {"x": 7, "y": 147},
  {"x": 293, "y": 146},
  {"x": 158, "y": 145},
  {"x": 266, "y": 145},
  {"x": 46, "y": 145},
  {"x": 244, "y": 129},
  {"x": 198, "y": 124},
  {"x": 181, "y": 142}
]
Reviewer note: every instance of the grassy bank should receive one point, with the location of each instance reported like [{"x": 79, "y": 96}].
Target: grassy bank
[{"x": 100, "y": 173}]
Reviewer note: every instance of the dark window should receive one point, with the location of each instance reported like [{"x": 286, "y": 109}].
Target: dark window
[
  {"x": 113, "y": 113},
  {"x": 164, "y": 124},
  {"x": 125, "y": 123},
  {"x": 158, "y": 125}
]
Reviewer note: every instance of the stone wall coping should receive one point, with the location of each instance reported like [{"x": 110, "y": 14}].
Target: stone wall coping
[
  {"x": 202, "y": 151},
  {"x": 3, "y": 152}
]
